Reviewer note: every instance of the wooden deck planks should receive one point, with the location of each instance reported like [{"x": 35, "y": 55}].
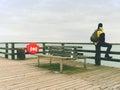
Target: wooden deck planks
[{"x": 23, "y": 75}]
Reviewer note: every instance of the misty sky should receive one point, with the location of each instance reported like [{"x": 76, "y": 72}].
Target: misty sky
[{"x": 58, "y": 20}]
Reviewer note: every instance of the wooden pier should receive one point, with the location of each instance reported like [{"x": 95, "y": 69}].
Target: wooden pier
[{"x": 23, "y": 75}]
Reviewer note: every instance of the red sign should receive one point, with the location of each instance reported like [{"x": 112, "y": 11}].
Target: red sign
[{"x": 32, "y": 48}]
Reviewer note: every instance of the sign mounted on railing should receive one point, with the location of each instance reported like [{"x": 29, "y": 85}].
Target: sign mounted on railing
[{"x": 32, "y": 48}]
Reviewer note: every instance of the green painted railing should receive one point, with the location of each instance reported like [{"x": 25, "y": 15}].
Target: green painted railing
[{"x": 9, "y": 49}]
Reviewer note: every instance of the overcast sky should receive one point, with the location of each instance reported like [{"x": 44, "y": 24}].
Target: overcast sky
[{"x": 58, "y": 20}]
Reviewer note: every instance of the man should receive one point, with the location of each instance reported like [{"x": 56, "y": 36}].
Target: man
[{"x": 101, "y": 42}]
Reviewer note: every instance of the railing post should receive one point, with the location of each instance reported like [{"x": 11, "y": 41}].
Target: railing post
[
  {"x": 74, "y": 52},
  {"x": 43, "y": 48},
  {"x": 6, "y": 50},
  {"x": 63, "y": 51},
  {"x": 13, "y": 50},
  {"x": 62, "y": 44}
]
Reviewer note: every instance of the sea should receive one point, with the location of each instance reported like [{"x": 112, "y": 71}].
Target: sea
[
  {"x": 86, "y": 47},
  {"x": 105, "y": 63}
]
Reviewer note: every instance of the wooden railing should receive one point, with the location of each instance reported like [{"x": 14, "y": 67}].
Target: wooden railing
[{"x": 9, "y": 49}]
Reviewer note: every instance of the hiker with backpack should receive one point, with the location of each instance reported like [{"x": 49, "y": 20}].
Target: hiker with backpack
[{"x": 98, "y": 38}]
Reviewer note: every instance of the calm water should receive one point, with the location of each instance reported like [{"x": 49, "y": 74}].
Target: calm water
[
  {"x": 106, "y": 63},
  {"x": 88, "y": 47}
]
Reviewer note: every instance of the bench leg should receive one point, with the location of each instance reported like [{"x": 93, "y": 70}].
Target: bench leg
[
  {"x": 61, "y": 65},
  {"x": 85, "y": 63},
  {"x": 38, "y": 61},
  {"x": 50, "y": 60}
]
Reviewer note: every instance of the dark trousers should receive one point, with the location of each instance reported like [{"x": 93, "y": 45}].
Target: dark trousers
[{"x": 97, "y": 55}]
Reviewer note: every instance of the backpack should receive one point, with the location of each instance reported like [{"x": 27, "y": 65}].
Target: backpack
[{"x": 94, "y": 37}]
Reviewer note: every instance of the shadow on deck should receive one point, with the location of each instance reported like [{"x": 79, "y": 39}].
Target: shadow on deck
[{"x": 24, "y": 75}]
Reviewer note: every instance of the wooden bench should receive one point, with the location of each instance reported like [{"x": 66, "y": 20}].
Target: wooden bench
[{"x": 63, "y": 53}]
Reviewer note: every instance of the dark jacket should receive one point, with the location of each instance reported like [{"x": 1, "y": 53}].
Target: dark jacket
[{"x": 102, "y": 38}]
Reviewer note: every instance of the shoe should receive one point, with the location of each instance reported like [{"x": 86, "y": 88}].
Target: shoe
[{"x": 108, "y": 57}]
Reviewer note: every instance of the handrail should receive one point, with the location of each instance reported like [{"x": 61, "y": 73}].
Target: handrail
[{"x": 10, "y": 48}]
